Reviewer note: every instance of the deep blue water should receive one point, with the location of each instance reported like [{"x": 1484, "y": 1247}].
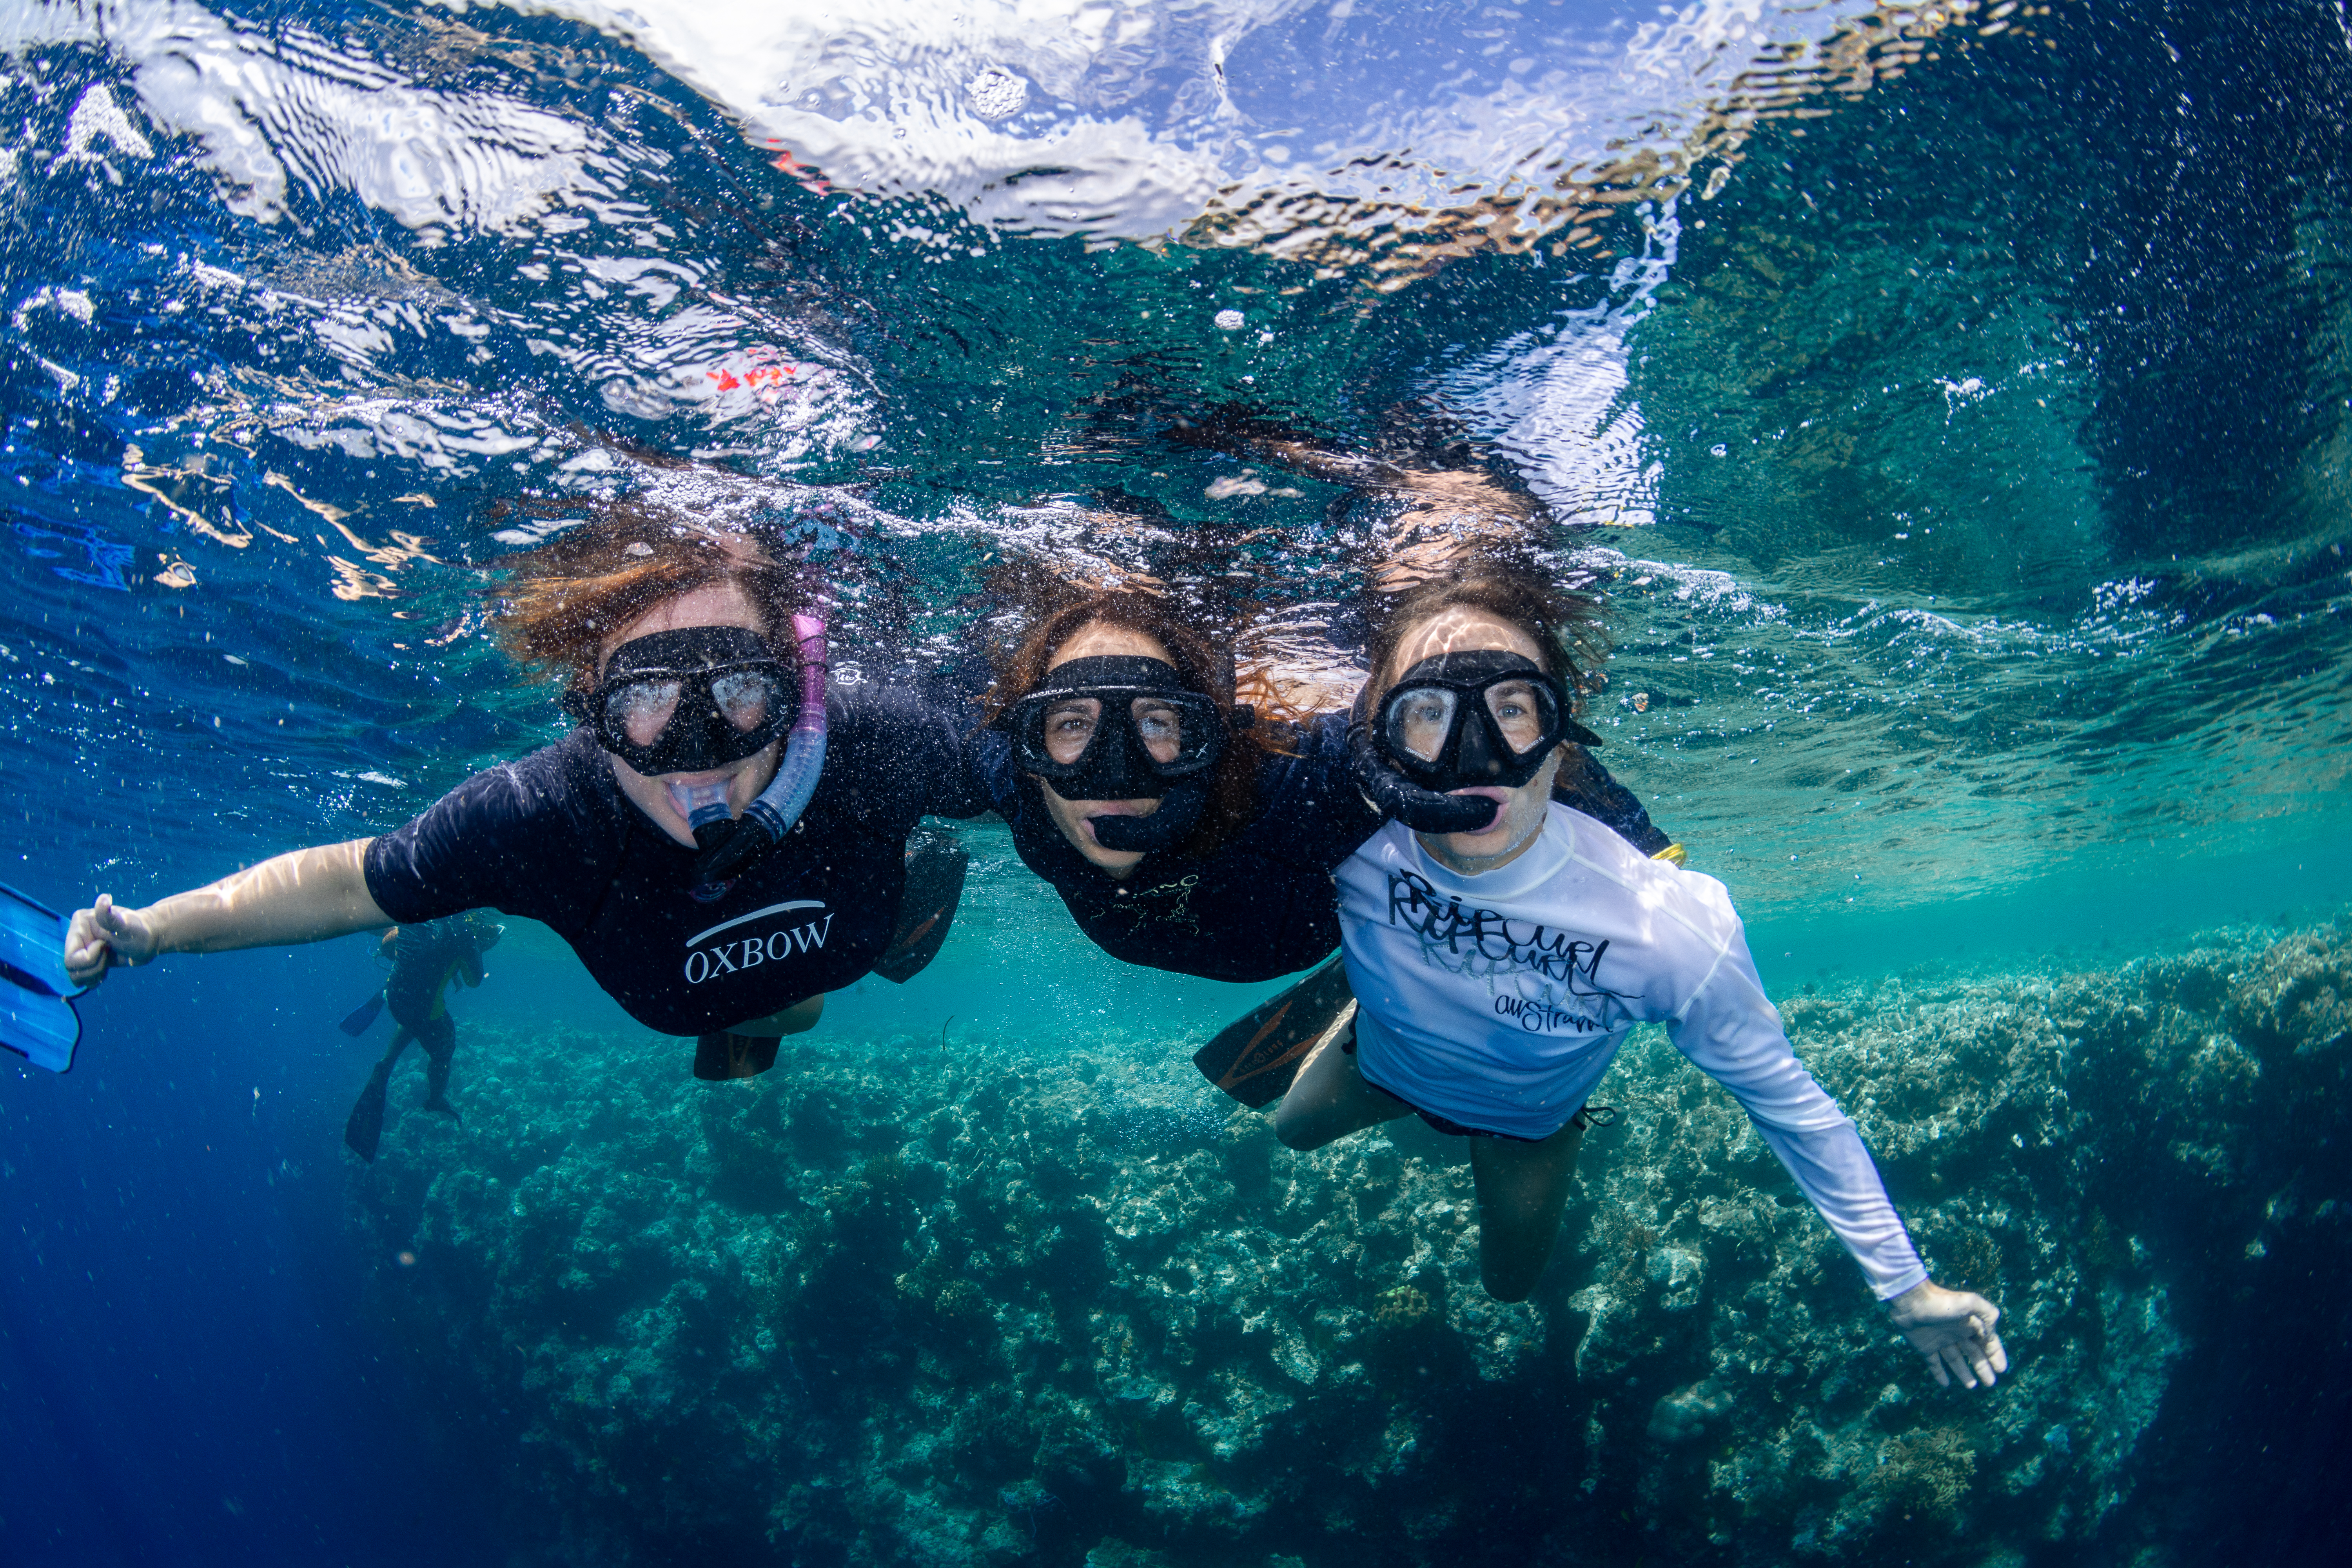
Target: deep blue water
[{"x": 1968, "y": 451}]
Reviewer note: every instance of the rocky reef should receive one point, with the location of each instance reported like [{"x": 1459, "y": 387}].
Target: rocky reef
[{"x": 892, "y": 1304}]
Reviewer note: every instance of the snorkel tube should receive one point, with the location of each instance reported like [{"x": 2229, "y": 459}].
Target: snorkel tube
[
  {"x": 1393, "y": 794},
  {"x": 1179, "y": 814},
  {"x": 767, "y": 819}
]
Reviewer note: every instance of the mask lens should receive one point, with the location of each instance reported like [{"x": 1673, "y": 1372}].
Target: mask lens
[
  {"x": 1070, "y": 725},
  {"x": 1420, "y": 719},
  {"x": 1159, "y": 725},
  {"x": 745, "y": 697},
  {"x": 642, "y": 709},
  {"x": 1522, "y": 713}
]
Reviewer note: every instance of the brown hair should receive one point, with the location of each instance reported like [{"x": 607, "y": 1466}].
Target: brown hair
[
  {"x": 1232, "y": 787},
  {"x": 1566, "y": 622},
  {"x": 563, "y": 600}
]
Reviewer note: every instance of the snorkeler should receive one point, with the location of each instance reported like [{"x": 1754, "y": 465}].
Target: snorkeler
[
  {"x": 426, "y": 959},
  {"x": 1501, "y": 946},
  {"x": 722, "y": 839},
  {"x": 1183, "y": 830}
]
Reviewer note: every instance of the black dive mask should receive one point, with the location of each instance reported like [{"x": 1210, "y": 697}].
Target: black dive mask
[
  {"x": 1120, "y": 727},
  {"x": 1114, "y": 728},
  {"x": 1461, "y": 720},
  {"x": 688, "y": 702}
]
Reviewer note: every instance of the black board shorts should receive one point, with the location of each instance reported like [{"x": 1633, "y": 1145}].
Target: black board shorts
[{"x": 1455, "y": 1129}]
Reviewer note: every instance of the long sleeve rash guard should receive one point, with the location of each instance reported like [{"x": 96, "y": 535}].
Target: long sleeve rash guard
[
  {"x": 551, "y": 838},
  {"x": 1498, "y": 1001}
]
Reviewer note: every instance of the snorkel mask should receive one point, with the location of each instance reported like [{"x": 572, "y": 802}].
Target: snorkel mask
[
  {"x": 691, "y": 700},
  {"x": 1457, "y": 721},
  {"x": 1120, "y": 727},
  {"x": 688, "y": 701}
]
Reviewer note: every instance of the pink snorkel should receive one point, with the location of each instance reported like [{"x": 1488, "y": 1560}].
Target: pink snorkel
[{"x": 766, "y": 820}]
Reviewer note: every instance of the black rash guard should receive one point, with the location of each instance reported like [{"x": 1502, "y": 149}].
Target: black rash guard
[
  {"x": 1258, "y": 906},
  {"x": 553, "y": 838},
  {"x": 1261, "y": 905}
]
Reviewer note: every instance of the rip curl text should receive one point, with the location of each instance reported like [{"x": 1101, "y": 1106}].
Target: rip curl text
[{"x": 1469, "y": 933}]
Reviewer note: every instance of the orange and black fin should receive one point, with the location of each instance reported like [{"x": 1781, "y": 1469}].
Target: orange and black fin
[{"x": 1255, "y": 1057}]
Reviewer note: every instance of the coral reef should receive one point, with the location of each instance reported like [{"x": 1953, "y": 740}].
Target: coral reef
[{"x": 891, "y": 1304}]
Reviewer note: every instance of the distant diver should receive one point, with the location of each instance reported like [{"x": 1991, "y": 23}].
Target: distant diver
[
  {"x": 1501, "y": 945},
  {"x": 426, "y": 959},
  {"x": 723, "y": 838}
]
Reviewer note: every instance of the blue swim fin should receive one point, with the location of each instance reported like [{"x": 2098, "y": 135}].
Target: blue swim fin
[
  {"x": 363, "y": 1016},
  {"x": 37, "y": 1016}
]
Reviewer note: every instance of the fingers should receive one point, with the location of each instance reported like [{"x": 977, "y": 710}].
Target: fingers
[
  {"x": 86, "y": 949},
  {"x": 1976, "y": 1361}
]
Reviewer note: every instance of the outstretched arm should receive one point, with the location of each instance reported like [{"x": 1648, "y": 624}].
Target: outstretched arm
[
  {"x": 1731, "y": 1030},
  {"x": 306, "y": 896}
]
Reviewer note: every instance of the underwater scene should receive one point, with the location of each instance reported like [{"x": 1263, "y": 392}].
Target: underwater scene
[{"x": 1942, "y": 412}]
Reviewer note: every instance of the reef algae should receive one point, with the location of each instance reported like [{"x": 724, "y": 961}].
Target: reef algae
[{"x": 887, "y": 1306}]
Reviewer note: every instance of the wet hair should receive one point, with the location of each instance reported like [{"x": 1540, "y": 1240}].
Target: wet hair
[
  {"x": 1565, "y": 622},
  {"x": 563, "y": 600},
  {"x": 1200, "y": 663}
]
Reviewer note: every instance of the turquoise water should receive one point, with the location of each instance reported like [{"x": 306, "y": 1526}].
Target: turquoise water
[{"x": 1954, "y": 399}]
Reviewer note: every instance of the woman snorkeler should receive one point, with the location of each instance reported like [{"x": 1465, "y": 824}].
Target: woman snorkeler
[
  {"x": 722, "y": 839},
  {"x": 1501, "y": 946}
]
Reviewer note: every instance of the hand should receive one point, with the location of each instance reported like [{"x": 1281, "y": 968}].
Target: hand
[
  {"x": 1953, "y": 1329},
  {"x": 104, "y": 935}
]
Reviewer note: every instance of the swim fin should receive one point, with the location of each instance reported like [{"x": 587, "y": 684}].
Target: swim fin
[
  {"x": 721, "y": 1056},
  {"x": 364, "y": 1129},
  {"x": 936, "y": 864},
  {"x": 1255, "y": 1057},
  {"x": 363, "y": 1016},
  {"x": 38, "y": 1020}
]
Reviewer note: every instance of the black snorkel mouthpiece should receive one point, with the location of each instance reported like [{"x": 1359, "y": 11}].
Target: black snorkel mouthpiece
[
  {"x": 1394, "y": 796},
  {"x": 1179, "y": 814},
  {"x": 706, "y": 811}
]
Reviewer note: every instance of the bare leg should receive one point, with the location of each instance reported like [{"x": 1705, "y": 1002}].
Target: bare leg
[
  {"x": 1330, "y": 1099},
  {"x": 1522, "y": 1188}
]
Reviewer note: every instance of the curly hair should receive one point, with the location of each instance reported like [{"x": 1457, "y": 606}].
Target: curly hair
[
  {"x": 563, "y": 600},
  {"x": 1200, "y": 662}
]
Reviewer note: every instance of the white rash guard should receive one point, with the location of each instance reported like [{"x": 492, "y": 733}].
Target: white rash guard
[{"x": 1498, "y": 1001}]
